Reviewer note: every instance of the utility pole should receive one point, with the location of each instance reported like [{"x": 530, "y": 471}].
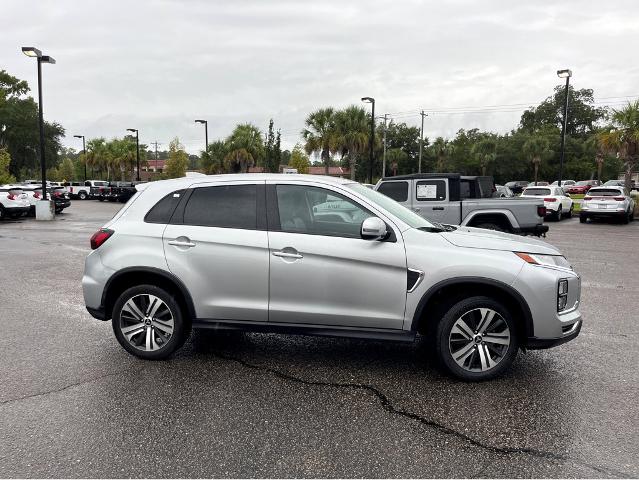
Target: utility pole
[
  {"x": 156, "y": 153},
  {"x": 384, "y": 157},
  {"x": 421, "y": 143}
]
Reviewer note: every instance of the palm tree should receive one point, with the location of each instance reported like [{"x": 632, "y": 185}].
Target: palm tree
[
  {"x": 245, "y": 148},
  {"x": 212, "y": 161},
  {"x": 442, "y": 149},
  {"x": 484, "y": 152},
  {"x": 96, "y": 156},
  {"x": 351, "y": 134},
  {"x": 622, "y": 138},
  {"x": 536, "y": 148},
  {"x": 320, "y": 134}
]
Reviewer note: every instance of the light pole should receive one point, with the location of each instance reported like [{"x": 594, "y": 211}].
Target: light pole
[
  {"x": 34, "y": 52},
  {"x": 137, "y": 150},
  {"x": 206, "y": 134},
  {"x": 371, "y": 153},
  {"x": 564, "y": 74},
  {"x": 84, "y": 150},
  {"x": 421, "y": 143},
  {"x": 384, "y": 154}
]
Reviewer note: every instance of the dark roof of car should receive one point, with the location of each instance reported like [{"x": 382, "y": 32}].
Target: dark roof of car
[{"x": 414, "y": 176}]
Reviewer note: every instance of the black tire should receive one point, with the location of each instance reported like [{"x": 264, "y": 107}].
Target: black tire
[
  {"x": 583, "y": 218},
  {"x": 569, "y": 214},
  {"x": 626, "y": 218},
  {"x": 3, "y": 214},
  {"x": 181, "y": 327},
  {"x": 82, "y": 195},
  {"x": 443, "y": 335},
  {"x": 101, "y": 199},
  {"x": 491, "y": 226},
  {"x": 559, "y": 214}
]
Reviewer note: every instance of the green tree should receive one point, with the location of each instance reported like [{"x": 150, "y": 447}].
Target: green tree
[
  {"x": 178, "y": 160},
  {"x": 245, "y": 148},
  {"x": 5, "y": 161},
  {"x": 272, "y": 150},
  {"x": 622, "y": 138},
  {"x": 19, "y": 132},
  {"x": 66, "y": 170},
  {"x": 442, "y": 150},
  {"x": 397, "y": 161},
  {"x": 213, "y": 161},
  {"x": 352, "y": 130},
  {"x": 319, "y": 134},
  {"x": 484, "y": 152},
  {"x": 299, "y": 159},
  {"x": 536, "y": 149}
]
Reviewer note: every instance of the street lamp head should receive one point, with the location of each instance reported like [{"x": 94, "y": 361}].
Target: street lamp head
[
  {"x": 564, "y": 73},
  {"x": 47, "y": 59},
  {"x": 368, "y": 99},
  {"x": 31, "y": 52},
  {"x": 78, "y": 136},
  {"x": 200, "y": 121},
  {"x": 131, "y": 130}
]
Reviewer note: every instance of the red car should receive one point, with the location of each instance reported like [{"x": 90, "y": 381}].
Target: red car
[{"x": 583, "y": 186}]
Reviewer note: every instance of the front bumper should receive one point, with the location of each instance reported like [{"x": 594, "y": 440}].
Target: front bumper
[{"x": 534, "y": 343}]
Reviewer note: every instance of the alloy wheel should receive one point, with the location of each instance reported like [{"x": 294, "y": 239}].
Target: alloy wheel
[
  {"x": 479, "y": 340},
  {"x": 146, "y": 322}
]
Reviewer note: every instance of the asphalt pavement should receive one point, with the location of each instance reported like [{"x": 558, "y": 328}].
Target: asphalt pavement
[{"x": 73, "y": 403}]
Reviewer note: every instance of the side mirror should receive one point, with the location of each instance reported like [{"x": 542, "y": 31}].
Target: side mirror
[{"x": 373, "y": 228}]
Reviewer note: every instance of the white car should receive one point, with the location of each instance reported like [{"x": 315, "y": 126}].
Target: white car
[
  {"x": 14, "y": 202},
  {"x": 607, "y": 202},
  {"x": 33, "y": 193},
  {"x": 564, "y": 183},
  {"x": 557, "y": 202}
]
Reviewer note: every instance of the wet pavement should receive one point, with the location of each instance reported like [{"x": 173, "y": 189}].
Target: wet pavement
[{"x": 74, "y": 404}]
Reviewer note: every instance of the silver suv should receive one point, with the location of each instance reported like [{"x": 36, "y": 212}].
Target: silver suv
[{"x": 321, "y": 256}]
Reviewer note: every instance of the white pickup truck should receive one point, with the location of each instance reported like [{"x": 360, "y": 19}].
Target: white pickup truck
[{"x": 452, "y": 199}]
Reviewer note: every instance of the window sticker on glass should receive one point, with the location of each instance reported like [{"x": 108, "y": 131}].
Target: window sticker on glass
[{"x": 427, "y": 191}]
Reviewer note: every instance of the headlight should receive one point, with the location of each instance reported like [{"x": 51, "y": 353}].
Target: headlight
[{"x": 548, "y": 260}]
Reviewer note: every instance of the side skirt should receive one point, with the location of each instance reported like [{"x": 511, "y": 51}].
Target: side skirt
[{"x": 300, "y": 329}]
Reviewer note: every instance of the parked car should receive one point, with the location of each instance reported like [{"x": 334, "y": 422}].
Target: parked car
[
  {"x": 262, "y": 261},
  {"x": 517, "y": 186},
  {"x": 82, "y": 190},
  {"x": 620, "y": 183},
  {"x": 34, "y": 194},
  {"x": 607, "y": 202},
  {"x": 558, "y": 203},
  {"x": 452, "y": 199},
  {"x": 538, "y": 184},
  {"x": 582, "y": 187},
  {"x": 14, "y": 202},
  {"x": 59, "y": 195},
  {"x": 117, "y": 191},
  {"x": 564, "y": 183},
  {"x": 502, "y": 191}
]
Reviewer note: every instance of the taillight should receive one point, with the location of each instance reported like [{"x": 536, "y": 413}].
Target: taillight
[
  {"x": 11, "y": 196},
  {"x": 100, "y": 237},
  {"x": 587, "y": 197},
  {"x": 550, "y": 199},
  {"x": 36, "y": 194},
  {"x": 541, "y": 210},
  {"x": 57, "y": 194},
  {"x": 70, "y": 189},
  {"x": 620, "y": 199}
]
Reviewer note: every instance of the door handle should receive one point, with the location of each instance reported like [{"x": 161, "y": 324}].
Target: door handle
[
  {"x": 416, "y": 209},
  {"x": 279, "y": 253},
  {"x": 438, "y": 208},
  {"x": 178, "y": 243}
]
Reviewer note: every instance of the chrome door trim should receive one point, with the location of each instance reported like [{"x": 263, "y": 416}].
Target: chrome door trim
[{"x": 419, "y": 279}]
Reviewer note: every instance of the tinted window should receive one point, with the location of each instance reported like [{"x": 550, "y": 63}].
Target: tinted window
[
  {"x": 464, "y": 189},
  {"x": 605, "y": 192},
  {"x": 227, "y": 206},
  {"x": 537, "y": 191},
  {"x": 317, "y": 211},
  {"x": 487, "y": 186},
  {"x": 398, "y": 191},
  {"x": 431, "y": 190},
  {"x": 162, "y": 211}
]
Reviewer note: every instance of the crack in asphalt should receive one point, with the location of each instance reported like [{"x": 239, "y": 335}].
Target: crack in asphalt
[
  {"x": 66, "y": 387},
  {"x": 389, "y": 407}
]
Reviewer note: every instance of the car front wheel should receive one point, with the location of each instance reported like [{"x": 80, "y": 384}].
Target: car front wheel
[
  {"x": 476, "y": 339},
  {"x": 148, "y": 322},
  {"x": 82, "y": 196}
]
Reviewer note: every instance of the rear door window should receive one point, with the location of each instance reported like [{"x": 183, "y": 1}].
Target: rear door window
[
  {"x": 162, "y": 211},
  {"x": 225, "y": 206},
  {"x": 398, "y": 191}
]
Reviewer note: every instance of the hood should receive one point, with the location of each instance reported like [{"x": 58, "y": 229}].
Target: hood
[{"x": 470, "y": 237}]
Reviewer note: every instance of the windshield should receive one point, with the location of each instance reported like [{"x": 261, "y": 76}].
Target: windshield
[
  {"x": 538, "y": 192},
  {"x": 614, "y": 182},
  {"x": 583, "y": 182},
  {"x": 404, "y": 214}
]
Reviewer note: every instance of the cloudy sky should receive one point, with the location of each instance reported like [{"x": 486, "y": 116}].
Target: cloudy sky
[{"x": 158, "y": 65}]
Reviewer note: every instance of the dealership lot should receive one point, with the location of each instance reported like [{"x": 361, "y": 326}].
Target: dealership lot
[{"x": 73, "y": 403}]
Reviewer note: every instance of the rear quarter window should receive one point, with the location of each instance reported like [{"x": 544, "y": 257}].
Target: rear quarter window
[
  {"x": 162, "y": 211},
  {"x": 398, "y": 191}
]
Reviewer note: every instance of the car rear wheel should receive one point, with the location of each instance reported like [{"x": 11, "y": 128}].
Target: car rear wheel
[
  {"x": 569, "y": 214},
  {"x": 558, "y": 214},
  {"x": 583, "y": 218},
  {"x": 148, "y": 322},
  {"x": 82, "y": 196},
  {"x": 476, "y": 339}
]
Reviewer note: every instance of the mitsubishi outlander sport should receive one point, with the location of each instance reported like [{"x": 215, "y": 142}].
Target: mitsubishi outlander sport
[{"x": 321, "y": 256}]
